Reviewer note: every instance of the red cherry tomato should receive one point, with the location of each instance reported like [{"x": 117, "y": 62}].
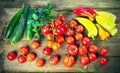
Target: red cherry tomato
[
  {"x": 86, "y": 41},
  {"x": 70, "y": 40},
  {"x": 61, "y": 17},
  {"x": 47, "y": 51},
  {"x": 57, "y": 22},
  {"x": 24, "y": 50},
  {"x": 69, "y": 32},
  {"x": 59, "y": 30},
  {"x": 92, "y": 57},
  {"x": 73, "y": 23},
  {"x": 103, "y": 61},
  {"x": 53, "y": 60},
  {"x": 60, "y": 39},
  {"x": 11, "y": 56},
  {"x": 35, "y": 44},
  {"x": 40, "y": 62},
  {"x": 83, "y": 50},
  {"x": 72, "y": 50},
  {"x": 21, "y": 59},
  {"x": 93, "y": 48},
  {"x": 79, "y": 28},
  {"x": 45, "y": 30},
  {"x": 68, "y": 61},
  {"x": 84, "y": 60},
  {"x": 65, "y": 26},
  {"x": 103, "y": 51},
  {"x": 30, "y": 57},
  {"x": 78, "y": 36}
]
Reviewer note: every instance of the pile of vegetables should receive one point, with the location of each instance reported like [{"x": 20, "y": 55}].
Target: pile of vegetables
[{"x": 57, "y": 31}]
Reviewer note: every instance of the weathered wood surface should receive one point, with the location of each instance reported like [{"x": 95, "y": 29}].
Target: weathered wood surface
[{"x": 9, "y": 7}]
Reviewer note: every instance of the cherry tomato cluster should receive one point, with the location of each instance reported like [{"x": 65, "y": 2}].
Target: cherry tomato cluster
[
  {"x": 24, "y": 53},
  {"x": 57, "y": 33}
]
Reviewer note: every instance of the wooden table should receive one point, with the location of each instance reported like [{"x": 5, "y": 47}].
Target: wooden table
[{"x": 9, "y": 7}]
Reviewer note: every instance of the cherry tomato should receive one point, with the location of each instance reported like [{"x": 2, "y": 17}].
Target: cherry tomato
[
  {"x": 49, "y": 44},
  {"x": 56, "y": 46},
  {"x": 103, "y": 51},
  {"x": 53, "y": 60},
  {"x": 72, "y": 50},
  {"x": 59, "y": 29},
  {"x": 40, "y": 62},
  {"x": 86, "y": 41},
  {"x": 70, "y": 40},
  {"x": 50, "y": 37},
  {"x": 93, "y": 48},
  {"x": 69, "y": 32},
  {"x": 35, "y": 44},
  {"x": 45, "y": 30},
  {"x": 83, "y": 50},
  {"x": 60, "y": 17},
  {"x": 24, "y": 50},
  {"x": 47, "y": 51},
  {"x": 65, "y": 25},
  {"x": 57, "y": 22},
  {"x": 79, "y": 28},
  {"x": 103, "y": 61},
  {"x": 78, "y": 36},
  {"x": 11, "y": 56},
  {"x": 21, "y": 59},
  {"x": 68, "y": 61},
  {"x": 30, "y": 57},
  {"x": 84, "y": 60},
  {"x": 60, "y": 39},
  {"x": 72, "y": 23},
  {"x": 92, "y": 57}
]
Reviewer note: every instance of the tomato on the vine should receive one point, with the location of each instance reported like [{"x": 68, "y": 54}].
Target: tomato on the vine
[
  {"x": 30, "y": 57},
  {"x": 72, "y": 50},
  {"x": 72, "y": 23},
  {"x": 103, "y": 51},
  {"x": 35, "y": 44},
  {"x": 11, "y": 56},
  {"x": 83, "y": 50},
  {"x": 50, "y": 37},
  {"x": 45, "y": 29},
  {"x": 93, "y": 48},
  {"x": 92, "y": 57},
  {"x": 49, "y": 44},
  {"x": 68, "y": 61},
  {"x": 86, "y": 41},
  {"x": 65, "y": 25},
  {"x": 103, "y": 61},
  {"x": 57, "y": 22},
  {"x": 69, "y": 32},
  {"x": 55, "y": 46},
  {"x": 21, "y": 59},
  {"x": 59, "y": 39},
  {"x": 70, "y": 40},
  {"x": 24, "y": 50},
  {"x": 47, "y": 51},
  {"x": 84, "y": 60},
  {"x": 78, "y": 36},
  {"x": 40, "y": 62},
  {"x": 79, "y": 28},
  {"x": 53, "y": 60},
  {"x": 59, "y": 30},
  {"x": 60, "y": 17}
]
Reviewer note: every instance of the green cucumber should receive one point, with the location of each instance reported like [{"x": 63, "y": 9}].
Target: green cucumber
[
  {"x": 29, "y": 26},
  {"x": 13, "y": 23},
  {"x": 19, "y": 29}
]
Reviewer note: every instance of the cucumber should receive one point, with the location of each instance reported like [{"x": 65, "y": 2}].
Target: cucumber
[
  {"x": 29, "y": 26},
  {"x": 19, "y": 29},
  {"x": 13, "y": 23}
]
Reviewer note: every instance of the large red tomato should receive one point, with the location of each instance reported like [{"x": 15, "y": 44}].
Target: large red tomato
[
  {"x": 24, "y": 50},
  {"x": 30, "y": 57},
  {"x": 40, "y": 62},
  {"x": 53, "y": 60},
  {"x": 21, "y": 59},
  {"x": 11, "y": 56}
]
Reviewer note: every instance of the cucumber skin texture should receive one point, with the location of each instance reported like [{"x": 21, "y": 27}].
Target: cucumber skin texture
[
  {"x": 29, "y": 27},
  {"x": 19, "y": 29},
  {"x": 13, "y": 23}
]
